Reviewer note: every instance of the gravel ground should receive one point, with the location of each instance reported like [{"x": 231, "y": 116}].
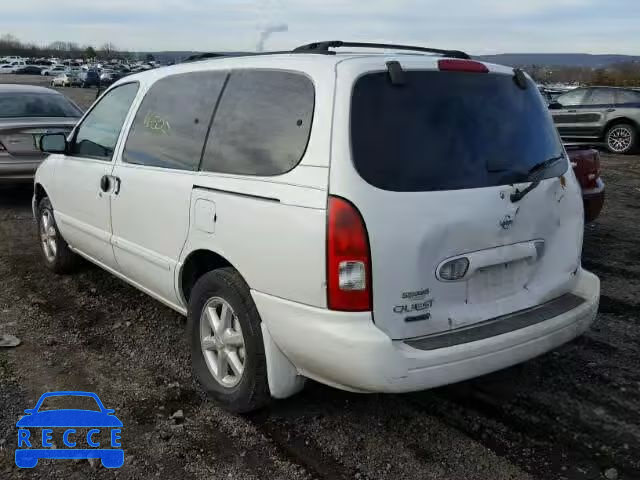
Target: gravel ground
[{"x": 571, "y": 414}]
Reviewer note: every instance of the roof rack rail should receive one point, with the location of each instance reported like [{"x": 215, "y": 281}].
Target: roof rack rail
[{"x": 323, "y": 48}]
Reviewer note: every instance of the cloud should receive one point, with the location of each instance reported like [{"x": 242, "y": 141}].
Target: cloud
[{"x": 479, "y": 26}]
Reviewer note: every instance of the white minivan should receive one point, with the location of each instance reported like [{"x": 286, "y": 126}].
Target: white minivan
[{"x": 389, "y": 219}]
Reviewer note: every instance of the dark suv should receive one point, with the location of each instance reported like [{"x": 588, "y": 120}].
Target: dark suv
[
  {"x": 600, "y": 115},
  {"x": 90, "y": 78}
]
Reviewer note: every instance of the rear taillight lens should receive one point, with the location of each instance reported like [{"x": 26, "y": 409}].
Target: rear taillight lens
[
  {"x": 459, "y": 65},
  {"x": 596, "y": 164},
  {"x": 348, "y": 258}
]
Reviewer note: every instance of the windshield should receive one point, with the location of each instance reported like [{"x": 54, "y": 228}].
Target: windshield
[
  {"x": 65, "y": 402},
  {"x": 450, "y": 131},
  {"x": 36, "y": 105}
]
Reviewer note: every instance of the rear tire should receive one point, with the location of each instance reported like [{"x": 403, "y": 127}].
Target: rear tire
[
  {"x": 621, "y": 138},
  {"x": 223, "y": 322},
  {"x": 56, "y": 253}
]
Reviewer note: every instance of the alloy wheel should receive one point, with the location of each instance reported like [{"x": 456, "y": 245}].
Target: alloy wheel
[
  {"x": 619, "y": 139},
  {"x": 48, "y": 236},
  {"x": 222, "y": 342}
]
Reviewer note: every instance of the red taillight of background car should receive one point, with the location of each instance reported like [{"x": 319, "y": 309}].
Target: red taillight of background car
[
  {"x": 348, "y": 258},
  {"x": 586, "y": 164}
]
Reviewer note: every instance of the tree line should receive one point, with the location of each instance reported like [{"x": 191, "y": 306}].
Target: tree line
[
  {"x": 11, "y": 45},
  {"x": 625, "y": 74}
]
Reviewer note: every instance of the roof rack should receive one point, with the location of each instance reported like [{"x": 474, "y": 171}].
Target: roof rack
[{"x": 323, "y": 48}]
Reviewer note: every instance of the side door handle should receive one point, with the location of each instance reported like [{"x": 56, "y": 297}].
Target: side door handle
[
  {"x": 105, "y": 183},
  {"x": 573, "y": 111},
  {"x": 109, "y": 181},
  {"x": 611, "y": 110}
]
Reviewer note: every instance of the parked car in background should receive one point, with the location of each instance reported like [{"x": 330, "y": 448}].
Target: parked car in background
[
  {"x": 54, "y": 70},
  {"x": 604, "y": 115},
  {"x": 61, "y": 81},
  {"x": 109, "y": 77},
  {"x": 17, "y": 65},
  {"x": 586, "y": 166},
  {"x": 29, "y": 70},
  {"x": 7, "y": 68},
  {"x": 89, "y": 78},
  {"x": 308, "y": 237},
  {"x": 27, "y": 113},
  {"x": 66, "y": 80}
]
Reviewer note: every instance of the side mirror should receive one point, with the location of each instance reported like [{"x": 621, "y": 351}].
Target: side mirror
[
  {"x": 29, "y": 411},
  {"x": 109, "y": 411},
  {"x": 53, "y": 143},
  {"x": 555, "y": 105}
]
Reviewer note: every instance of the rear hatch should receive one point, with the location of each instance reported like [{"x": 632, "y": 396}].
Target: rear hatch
[
  {"x": 21, "y": 136},
  {"x": 431, "y": 160}
]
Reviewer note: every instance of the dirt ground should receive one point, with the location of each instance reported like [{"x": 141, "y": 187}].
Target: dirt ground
[{"x": 571, "y": 414}]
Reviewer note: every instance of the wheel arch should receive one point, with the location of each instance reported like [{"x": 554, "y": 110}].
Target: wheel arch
[
  {"x": 39, "y": 192},
  {"x": 197, "y": 263},
  {"x": 621, "y": 121}
]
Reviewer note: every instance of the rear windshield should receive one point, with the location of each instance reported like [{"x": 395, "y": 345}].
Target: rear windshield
[
  {"x": 36, "y": 105},
  {"x": 449, "y": 131}
]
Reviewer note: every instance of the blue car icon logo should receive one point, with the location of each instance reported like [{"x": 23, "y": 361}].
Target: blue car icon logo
[{"x": 86, "y": 433}]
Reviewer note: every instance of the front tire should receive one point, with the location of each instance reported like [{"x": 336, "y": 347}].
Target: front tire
[
  {"x": 225, "y": 336},
  {"x": 56, "y": 253},
  {"x": 621, "y": 138}
]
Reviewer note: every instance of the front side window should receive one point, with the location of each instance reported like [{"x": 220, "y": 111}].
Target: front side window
[
  {"x": 97, "y": 135},
  {"x": 601, "y": 96},
  {"x": 172, "y": 122},
  {"x": 262, "y": 124},
  {"x": 573, "y": 98}
]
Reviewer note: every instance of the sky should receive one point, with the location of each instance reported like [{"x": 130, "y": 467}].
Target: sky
[{"x": 477, "y": 26}]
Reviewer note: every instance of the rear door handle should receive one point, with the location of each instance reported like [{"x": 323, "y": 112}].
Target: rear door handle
[
  {"x": 109, "y": 182},
  {"x": 105, "y": 183}
]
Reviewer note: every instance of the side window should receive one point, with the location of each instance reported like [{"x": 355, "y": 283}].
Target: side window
[
  {"x": 171, "y": 124},
  {"x": 262, "y": 123},
  {"x": 601, "y": 96},
  {"x": 627, "y": 96},
  {"x": 572, "y": 98},
  {"x": 97, "y": 135}
]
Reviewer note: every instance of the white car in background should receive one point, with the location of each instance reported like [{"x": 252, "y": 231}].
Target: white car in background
[
  {"x": 7, "y": 68},
  {"x": 54, "y": 70},
  {"x": 63, "y": 80}
]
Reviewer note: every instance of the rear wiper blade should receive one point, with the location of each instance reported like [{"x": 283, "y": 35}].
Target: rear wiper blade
[
  {"x": 534, "y": 175},
  {"x": 542, "y": 166}
]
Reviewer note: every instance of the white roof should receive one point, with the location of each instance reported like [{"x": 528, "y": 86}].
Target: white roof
[{"x": 306, "y": 62}]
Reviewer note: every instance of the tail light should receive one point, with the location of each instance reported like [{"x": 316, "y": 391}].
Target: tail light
[{"x": 348, "y": 258}]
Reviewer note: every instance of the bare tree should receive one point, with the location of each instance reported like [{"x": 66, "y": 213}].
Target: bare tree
[{"x": 108, "y": 50}]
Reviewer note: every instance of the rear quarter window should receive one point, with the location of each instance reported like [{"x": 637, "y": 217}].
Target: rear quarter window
[
  {"x": 449, "y": 131},
  {"x": 262, "y": 124}
]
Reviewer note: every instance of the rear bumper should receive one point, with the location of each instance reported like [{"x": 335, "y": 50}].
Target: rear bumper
[
  {"x": 593, "y": 201},
  {"x": 19, "y": 170},
  {"x": 348, "y": 351}
]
